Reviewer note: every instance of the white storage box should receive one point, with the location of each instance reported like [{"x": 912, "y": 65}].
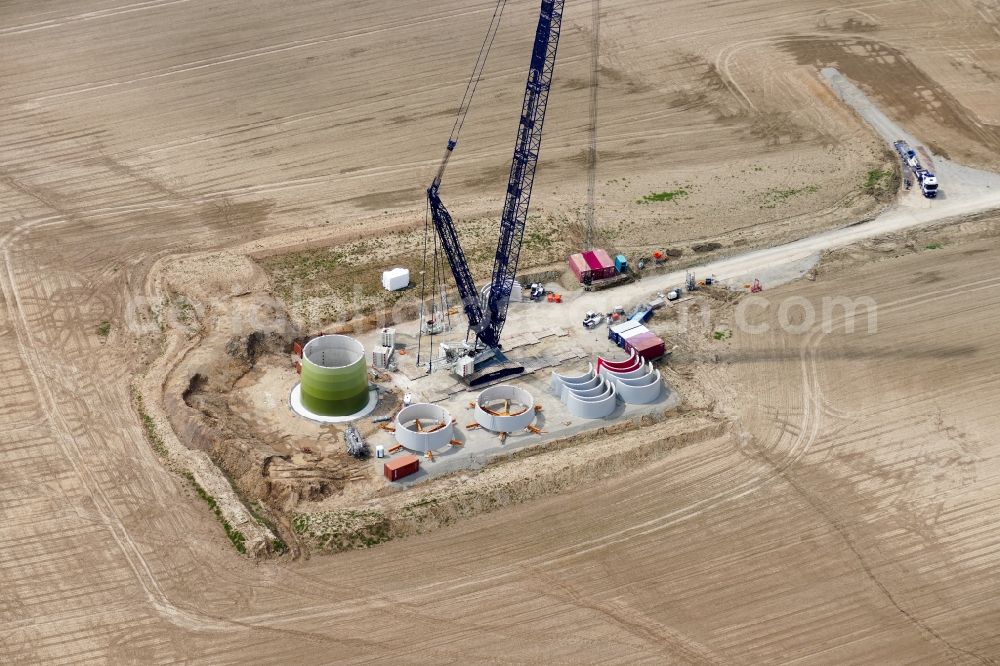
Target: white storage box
[{"x": 395, "y": 279}]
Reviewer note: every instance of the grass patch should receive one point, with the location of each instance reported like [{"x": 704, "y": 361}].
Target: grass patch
[
  {"x": 257, "y": 511},
  {"x": 722, "y": 335},
  {"x": 338, "y": 282},
  {"x": 880, "y": 183},
  {"x": 238, "y": 538},
  {"x": 877, "y": 177},
  {"x": 877, "y": 181},
  {"x": 342, "y": 530},
  {"x": 935, "y": 246},
  {"x": 536, "y": 240},
  {"x": 185, "y": 311},
  {"x": 662, "y": 196},
  {"x": 149, "y": 425},
  {"x": 104, "y": 329}
]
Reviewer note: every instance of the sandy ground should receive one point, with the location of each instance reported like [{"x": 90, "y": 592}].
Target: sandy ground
[
  {"x": 885, "y": 439},
  {"x": 133, "y": 131}
]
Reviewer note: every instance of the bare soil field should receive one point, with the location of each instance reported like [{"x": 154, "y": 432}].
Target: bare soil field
[
  {"x": 885, "y": 439},
  {"x": 835, "y": 525}
]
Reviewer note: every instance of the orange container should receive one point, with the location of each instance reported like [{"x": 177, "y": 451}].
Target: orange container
[{"x": 397, "y": 468}]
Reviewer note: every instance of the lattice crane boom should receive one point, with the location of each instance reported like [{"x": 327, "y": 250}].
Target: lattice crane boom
[{"x": 487, "y": 322}]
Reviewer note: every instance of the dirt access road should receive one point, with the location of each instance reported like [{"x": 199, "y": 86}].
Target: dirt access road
[
  {"x": 136, "y": 130},
  {"x": 965, "y": 192}
]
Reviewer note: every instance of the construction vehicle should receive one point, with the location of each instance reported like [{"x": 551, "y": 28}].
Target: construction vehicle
[
  {"x": 537, "y": 291},
  {"x": 486, "y": 319},
  {"x": 911, "y": 164},
  {"x": 592, "y": 319}
]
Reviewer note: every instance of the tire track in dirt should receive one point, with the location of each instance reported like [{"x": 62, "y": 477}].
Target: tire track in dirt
[
  {"x": 89, "y": 16},
  {"x": 63, "y": 435},
  {"x": 249, "y": 54},
  {"x": 68, "y": 441}
]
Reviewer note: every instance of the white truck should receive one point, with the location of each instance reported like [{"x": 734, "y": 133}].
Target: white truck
[{"x": 928, "y": 181}]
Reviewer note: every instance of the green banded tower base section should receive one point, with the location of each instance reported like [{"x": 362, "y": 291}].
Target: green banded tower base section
[{"x": 334, "y": 376}]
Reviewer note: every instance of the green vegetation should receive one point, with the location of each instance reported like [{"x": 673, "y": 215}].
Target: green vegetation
[
  {"x": 935, "y": 246},
  {"x": 773, "y": 197},
  {"x": 876, "y": 178},
  {"x": 345, "y": 281},
  {"x": 185, "y": 311},
  {"x": 662, "y": 196},
  {"x": 536, "y": 240},
  {"x": 149, "y": 425},
  {"x": 336, "y": 283},
  {"x": 343, "y": 530},
  {"x": 878, "y": 182},
  {"x": 257, "y": 510},
  {"x": 722, "y": 334},
  {"x": 237, "y": 537},
  {"x": 104, "y": 328}
]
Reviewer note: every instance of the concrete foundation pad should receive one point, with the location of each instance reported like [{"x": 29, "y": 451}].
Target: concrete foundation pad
[{"x": 295, "y": 402}]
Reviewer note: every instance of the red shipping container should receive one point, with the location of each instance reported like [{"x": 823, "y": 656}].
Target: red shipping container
[
  {"x": 649, "y": 348},
  {"x": 579, "y": 266},
  {"x": 402, "y": 466},
  {"x": 627, "y": 343},
  {"x": 606, "y": 265},
  {"x": 592, "y": 263}
]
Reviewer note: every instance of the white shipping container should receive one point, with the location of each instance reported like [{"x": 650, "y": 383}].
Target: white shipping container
[
  {"x": 618, "y": 329},
  {"x": 632, "y": 332},
  {"x": 395, "y": 279}
]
